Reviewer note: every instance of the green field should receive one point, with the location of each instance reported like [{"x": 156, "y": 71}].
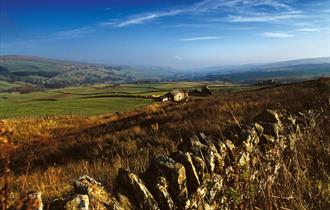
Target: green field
[{"x": 93, "y": 99}]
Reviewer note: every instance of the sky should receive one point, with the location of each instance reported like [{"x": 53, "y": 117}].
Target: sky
[{"x": 176, "y": 33}]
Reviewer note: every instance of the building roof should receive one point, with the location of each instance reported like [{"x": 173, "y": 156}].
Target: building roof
[{"x": 176, "y": 92}]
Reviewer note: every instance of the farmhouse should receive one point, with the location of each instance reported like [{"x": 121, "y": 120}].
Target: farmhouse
[{"x": 177, "y": 95}]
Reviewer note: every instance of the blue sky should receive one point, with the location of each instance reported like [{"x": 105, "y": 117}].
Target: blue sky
[{"x": 176, "y": 33}]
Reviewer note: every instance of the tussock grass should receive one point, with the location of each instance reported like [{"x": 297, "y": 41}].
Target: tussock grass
[{"x": 48, "y": 153}]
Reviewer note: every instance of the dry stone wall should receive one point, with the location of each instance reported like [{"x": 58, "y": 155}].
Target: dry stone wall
[{"x": 199, "y": 174}]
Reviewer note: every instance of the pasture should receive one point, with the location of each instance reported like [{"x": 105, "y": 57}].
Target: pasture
[{"x": 94, "y": 99}]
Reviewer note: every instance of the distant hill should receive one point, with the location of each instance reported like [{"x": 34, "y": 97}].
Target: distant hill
[
  {"x": 51, "y": 73},
  {"x": 285, "y": 71},
  {"x": 17, "y": 71}
]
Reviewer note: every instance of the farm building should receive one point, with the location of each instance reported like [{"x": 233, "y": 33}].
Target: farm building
[
  {"x": 177, "y": 95},
  {"x": 206, "y": 90}
]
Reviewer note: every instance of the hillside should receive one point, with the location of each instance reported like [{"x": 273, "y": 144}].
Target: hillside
[
  {"x": 25, "y": 73},
  {"x": 284, "y": 74},
  {"x": 49, "y": 73},
  {"x": 49, "y": 153},
  {"x": 285, "y": 71}
]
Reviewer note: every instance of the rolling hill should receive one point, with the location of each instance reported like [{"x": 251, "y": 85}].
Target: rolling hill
[
  {"x": 35, "y": 73},
  {"x": 285, "y": 71},
  {"x": 50, "y": 73}
]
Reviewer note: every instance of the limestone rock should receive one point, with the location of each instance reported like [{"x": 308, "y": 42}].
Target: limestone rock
[
  {"x": 79, "y": 202},
  {"x": 268, "y": 116},
  {"x": 214, "y": 185},
  {"x": 230, "y": 145},
  {"x": 197, "y": 198},
  {"x": 89, "y": 186},
  {"x": 258, "y": 128},
  {"x": 266, "y": 139},
  {"x": 96, "y": 205},
  {"x": 161, "y": 194},
  {"x": 192, "y": 176},
  {"x": 272, "y": 129},
  {"x": 192, "y": 145},
  {"x": 200, "y": 166},
  {"x": 124, "y": 199},
  {"x": 231, "y": 151},
  {"x": 207, "y": 141},
  {"x": 136, "y": 186},
  {"x": 197, "y": 148},
  {"x": 206, "y": 193},
  {"x": 244, "y": 159},
  {"x": 175, "y": 174},
  {"x": 210, "y": 159},
  {"x": 33, "y": 201},
  {"x": 219, "y": 162}
]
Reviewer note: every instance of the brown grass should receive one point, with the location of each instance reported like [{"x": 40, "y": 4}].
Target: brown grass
[{"x": 49, "y": 153}]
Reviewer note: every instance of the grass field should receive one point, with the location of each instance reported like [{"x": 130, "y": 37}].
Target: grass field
[
  {"x": 94, "y": 99},
  {"x": 49, "y": 153}
]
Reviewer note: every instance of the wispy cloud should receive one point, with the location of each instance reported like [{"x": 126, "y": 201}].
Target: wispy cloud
[
  {"x": 233, "y": 8},
  {"x": 200, "y": 38},
  {"x": 308, "y": 30},
  {"x": 73, "y": 33},
  {"x": 277, "y": 35},
  {"x": 139, "y": 19},
  {"x": 207, "y": 5},
  {"x": 179, "y": 58},
  {"x": 263, "y": 17},
  {"x": 60, "y": 35}
]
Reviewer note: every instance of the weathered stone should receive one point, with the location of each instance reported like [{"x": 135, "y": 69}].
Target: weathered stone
[
  {"x": 161, "y": 194},
  {"x": 268, "y": 116},
  {"x": 79, "y": 202},
  {"x": 272, "y": 129},
  {"x": 206, "y": 193},
  {"x": 200, "y": 166},
  {"x": 192, "y": 176},
  {"x": 231, "y": 152},
  {"x": 197, "y": 198},
  {"x": 244, "y": 159},
  {"x": 258, "y": 128},
  {"x": 214, "y": 185},
  {"x": 96, "y": 205},
  {"x": 219, "y": 162},
  {"x": 175, "y": 174},
  {"x": 87, "y": 185},
  {"x": 59, "y": 203},
  {"x": 33, "y": 201},
  {"x": 124, "y": 199},
  {"x": 222, "y": 148},
  {"x": 266, "y": 139},
  {"x": 136, "y": 186},
  {"x": 230, "y": 145},
  {"x": 192, "y": 145},
  {"x": 210, "y": 159},
  {"x": 207, "y": 141}
]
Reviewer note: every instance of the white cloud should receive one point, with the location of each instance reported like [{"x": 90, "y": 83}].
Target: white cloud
[
  {"x": 263, "y": 17},
  {"x": 277, "y": 35},
  {"x": 60, "y": 35},
  {"x": 201, "y": 38},
  {"x": 139, "y": 19},
  {"x": 73, "y": 33},
  {"x": 220, "y": 7},
  {"x": 308, "y": 30},
  {"x": 179, "y": 58}
]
